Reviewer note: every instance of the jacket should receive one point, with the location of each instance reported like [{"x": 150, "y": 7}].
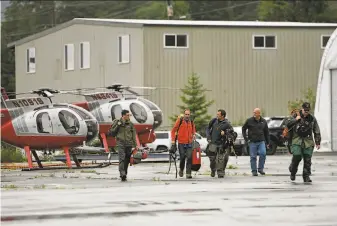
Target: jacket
[
  {"x": 257, "y": 130},
  {"x": 309, "y": 141},
  {"x": 215, "y": 130},
  {"x": 126, "y": 132},
  {"x": 185, "y": 133}
]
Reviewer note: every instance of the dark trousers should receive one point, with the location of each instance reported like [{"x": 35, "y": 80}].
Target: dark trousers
[
  {"x": 218, "y": 157},
  {"x": 124, "y": 155},
  {"x": 299, "y": 153},
  {"x": 185, "y": 154}
]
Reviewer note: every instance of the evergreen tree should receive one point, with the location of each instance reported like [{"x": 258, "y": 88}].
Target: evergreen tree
[
  {"x": 194, "y": 98},
  {"x": 309, "y": 96}
]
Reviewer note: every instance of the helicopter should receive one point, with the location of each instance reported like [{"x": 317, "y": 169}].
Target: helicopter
[
  {"x": 107, "y": 106},
  {"x": 35, "y": 123}
]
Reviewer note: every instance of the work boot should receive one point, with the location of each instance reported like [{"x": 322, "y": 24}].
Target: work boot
[
  {"x": 262, "y": 172},
  {"x": 213, "y": 173},
  {"x": 307, "y": 179},
  {"x": 181, "y": 173},
  {"x": 188, "y": 176},
  {"x": 254, "y": 172},
  {"x": 123, "y": 178},
  {"x": 220, "y": 176}
]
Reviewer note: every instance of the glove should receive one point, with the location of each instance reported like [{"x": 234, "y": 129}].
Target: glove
[{"x": 173, "y": 149}]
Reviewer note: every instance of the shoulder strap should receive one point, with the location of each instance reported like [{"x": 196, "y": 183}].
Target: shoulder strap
[{"x": 181, "y": 121}]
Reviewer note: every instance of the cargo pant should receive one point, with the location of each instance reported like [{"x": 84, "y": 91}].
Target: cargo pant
[
  {"x": 124, "y": 155},
  {"x": 185, "y": 153},
  {"x": 218, "y": 158},
  {"x": 300, "y": 152}
]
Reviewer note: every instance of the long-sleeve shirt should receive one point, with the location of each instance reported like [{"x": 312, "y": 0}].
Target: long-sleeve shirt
[
  {"x": 185, "y": 133},
  {"x": 257, "y": 130},
  {"x": 126, "y": 132}
]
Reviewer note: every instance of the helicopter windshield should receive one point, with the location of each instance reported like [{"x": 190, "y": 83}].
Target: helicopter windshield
[
  {"x": 69, "y": 121},
  {"x": 149, "y": 104},
  {"x": 138, "y": 112},
  {"x": 44, "y": 124},
  {"x": 116, "y": 111}
]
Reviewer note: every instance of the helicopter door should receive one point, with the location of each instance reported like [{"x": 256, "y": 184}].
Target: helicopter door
[
  {"x": 44, "y": 123},
  {"x": 116, "y": 111},
  {"x": 139, "y": 112},
  {"x": 69, "y": 122}
]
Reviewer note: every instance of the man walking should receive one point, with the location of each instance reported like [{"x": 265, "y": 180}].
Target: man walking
[
  {"x": 258, "y": 139},
  {"x": 218, "y": 153},
  {"x": 302, "y": 144},
  {"x": 184, "y": 131},
  {"x": 125, "y": 133}
]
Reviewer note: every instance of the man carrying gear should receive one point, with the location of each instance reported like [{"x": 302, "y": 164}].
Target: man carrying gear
[
  {"x": 184, "y": 131},
  {"x": 218, "y": 152},
  {"x": 302, "y": 143},
  {"x": 125, "y": 133}
]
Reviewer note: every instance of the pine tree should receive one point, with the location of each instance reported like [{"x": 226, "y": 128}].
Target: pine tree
[{"x": 194, "y": 98}]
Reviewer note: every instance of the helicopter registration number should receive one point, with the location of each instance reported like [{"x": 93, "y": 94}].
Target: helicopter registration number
[
  {"x": 27, "y": 102},
  {"x": 103, "y": 96}
]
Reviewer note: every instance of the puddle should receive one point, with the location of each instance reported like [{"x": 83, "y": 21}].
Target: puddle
[{"x": 106, "y": 214}]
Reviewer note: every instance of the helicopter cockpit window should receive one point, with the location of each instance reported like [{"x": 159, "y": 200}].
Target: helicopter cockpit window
[
  {"x": 69, "y": 122},
  {"x": 139, "y": 112},
  {"x": 149, "y": 104},
  {"x": 116, "y": 111},
  {"x": 44, "y": 123}
]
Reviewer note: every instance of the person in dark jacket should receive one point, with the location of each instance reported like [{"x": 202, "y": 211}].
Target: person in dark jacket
[
  {"x": 217, "y": 153},
  {"x": 258, "y": 139}
]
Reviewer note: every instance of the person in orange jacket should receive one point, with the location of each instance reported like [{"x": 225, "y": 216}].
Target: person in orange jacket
[{"x": 183, "y": 131}]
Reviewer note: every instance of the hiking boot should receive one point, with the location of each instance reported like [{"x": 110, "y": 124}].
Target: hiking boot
[
  {"x": 220, "y": 176},
  {"x": 307, "y": 179},
  {"x": 262, "y": 172},
  {"x": 213, "y": 174},
  {"x": 181, "y": 173},
  {"x": 254, "y": 173},
  {"x": 123, "y": 178},
  {"x": 188, "y": 176},
  {"x": 292, "y": 177}
]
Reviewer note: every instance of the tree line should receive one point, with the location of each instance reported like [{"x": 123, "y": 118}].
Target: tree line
[{"x": 24, "y": 18}]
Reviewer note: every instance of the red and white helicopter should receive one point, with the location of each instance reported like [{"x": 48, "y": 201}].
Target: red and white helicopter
[
  {"x": 35, "y": 123},
  {"x": 106, "y": 106}
]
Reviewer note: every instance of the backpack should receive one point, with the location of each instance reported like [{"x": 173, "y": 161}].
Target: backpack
[
  {"x": 304, "y": 127},
  {"x": 210, "y": 127}
]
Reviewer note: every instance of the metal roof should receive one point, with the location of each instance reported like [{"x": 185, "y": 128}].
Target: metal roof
[{"x": 140, "y": 23}]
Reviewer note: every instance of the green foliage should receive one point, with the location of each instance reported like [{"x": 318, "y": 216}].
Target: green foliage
[
  {"x": 308, "y": 96},
  {"x": 194, "y": 98},
  {"x": 10, "y": 154},
  {"x": 297, "y": 11}
]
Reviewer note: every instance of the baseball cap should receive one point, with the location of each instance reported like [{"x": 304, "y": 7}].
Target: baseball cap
[{"x": 306, "y": 106}]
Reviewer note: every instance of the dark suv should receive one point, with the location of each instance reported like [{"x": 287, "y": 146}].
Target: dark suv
[{"x": 276, "y": 126}]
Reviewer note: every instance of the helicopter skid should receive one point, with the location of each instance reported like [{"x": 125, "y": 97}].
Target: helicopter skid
[{"x": 101, "y": 165}]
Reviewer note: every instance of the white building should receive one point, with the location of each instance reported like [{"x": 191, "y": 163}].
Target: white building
[{"x": 326, "y": 96}]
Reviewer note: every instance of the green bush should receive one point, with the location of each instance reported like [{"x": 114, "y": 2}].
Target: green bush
[{"x": 10, "y": 154}]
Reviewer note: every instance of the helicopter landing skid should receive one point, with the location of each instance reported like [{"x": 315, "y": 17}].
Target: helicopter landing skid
[{"x": 101, "y": 165}]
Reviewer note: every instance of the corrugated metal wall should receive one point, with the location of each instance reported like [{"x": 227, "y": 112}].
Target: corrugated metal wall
[{"x": 240, "y": 77}]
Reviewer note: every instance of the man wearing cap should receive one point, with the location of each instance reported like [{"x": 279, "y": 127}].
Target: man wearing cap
[{"x": 302, "y": 144}]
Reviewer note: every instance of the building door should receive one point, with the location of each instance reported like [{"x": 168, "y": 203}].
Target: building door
[{"x": 334, "y": 110}]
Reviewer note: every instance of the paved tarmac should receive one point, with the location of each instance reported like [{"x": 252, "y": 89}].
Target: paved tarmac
[{"x": 151, "y": 197}]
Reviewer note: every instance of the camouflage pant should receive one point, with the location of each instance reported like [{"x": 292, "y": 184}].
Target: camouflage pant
[
  {"x": 299, "y": 153},
  {"x": 218, "y": 158},
  {"x": 185, "y": 154},
  {"x": 124, "y": 155}
]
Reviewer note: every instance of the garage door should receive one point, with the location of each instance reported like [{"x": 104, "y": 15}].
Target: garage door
[{"x": 334, "y": 109}]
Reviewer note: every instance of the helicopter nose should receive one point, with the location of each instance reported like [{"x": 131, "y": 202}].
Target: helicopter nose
[{"x": 158, "y": 119}]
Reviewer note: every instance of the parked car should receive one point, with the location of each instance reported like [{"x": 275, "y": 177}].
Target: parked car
[
  {"x": 162, "y": 142},
  {"x": 276, "y": 127},
  {"x": 240, "y": 145}
]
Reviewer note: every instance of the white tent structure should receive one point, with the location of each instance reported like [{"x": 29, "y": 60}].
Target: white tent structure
[{"x": 326, "y": 96}]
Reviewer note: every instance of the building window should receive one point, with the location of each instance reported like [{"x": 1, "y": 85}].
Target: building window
[
  {"x": 324, "y": 40},
  {"x": 124, "y": 49},
  {"x": 69, "y": 57},
  {"x": 84, "y": 55},
  {"x": 175, "y": 41},
  {"x": 31, "y": 60},
  {"x": 264, "y": 42}
]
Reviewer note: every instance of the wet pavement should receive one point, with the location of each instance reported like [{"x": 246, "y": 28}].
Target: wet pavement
[{"x": 151, "y": 196}]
